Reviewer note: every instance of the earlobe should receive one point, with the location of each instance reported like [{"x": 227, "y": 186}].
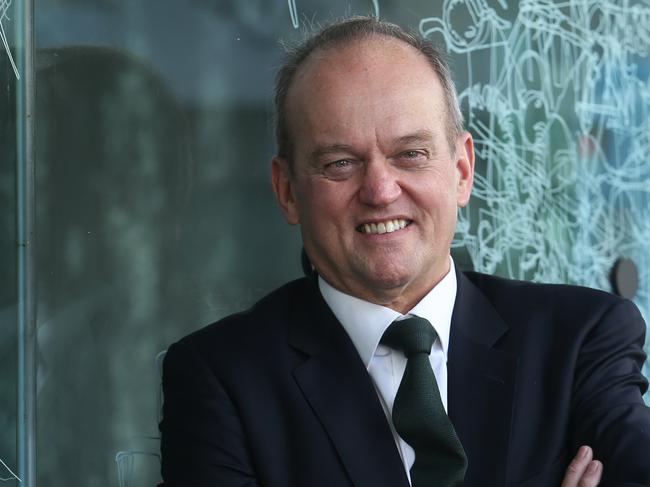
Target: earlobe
[
  {"x": 465, "y": 167},
  {"x": 283, "y": 189}
]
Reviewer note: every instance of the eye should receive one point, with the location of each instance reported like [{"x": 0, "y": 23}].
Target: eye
[
  {"x": 412, "y": 154},
  {"x": 413, "y": 157},
  {"x": 340, "y": 169},
  {"x": 339, "y": 164}
]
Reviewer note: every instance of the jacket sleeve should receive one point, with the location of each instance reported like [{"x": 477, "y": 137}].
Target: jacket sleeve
[
  {"x": 202, "y": 440},
  {"x": 608, "y": 408}
]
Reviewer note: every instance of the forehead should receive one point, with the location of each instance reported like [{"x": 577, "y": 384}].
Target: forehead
[
  {"x": 363, "y": 55},
  {"x": 375, "y": 83}
]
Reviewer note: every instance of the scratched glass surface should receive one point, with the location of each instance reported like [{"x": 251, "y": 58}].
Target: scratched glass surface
[
  {"x": 8, "y": 256},
  {"x": 154, "y": 209},
  {"x": 560, "y": 114}
]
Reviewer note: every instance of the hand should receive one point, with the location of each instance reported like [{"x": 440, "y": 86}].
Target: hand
[{"x": 583, "y": 471}]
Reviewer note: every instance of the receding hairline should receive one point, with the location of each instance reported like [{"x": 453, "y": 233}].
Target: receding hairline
[
  {"x": 352, "y": 32},
  {"x": 320, "y": 52}
]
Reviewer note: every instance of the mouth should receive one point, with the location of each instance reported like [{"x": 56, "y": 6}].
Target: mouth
[{"x": 386, "y": 226}]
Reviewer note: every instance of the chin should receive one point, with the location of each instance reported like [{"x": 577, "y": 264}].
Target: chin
[{"x": 388, "y": 279}]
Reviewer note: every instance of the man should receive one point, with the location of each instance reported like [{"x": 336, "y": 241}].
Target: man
[{"x": 307, "y": 388}]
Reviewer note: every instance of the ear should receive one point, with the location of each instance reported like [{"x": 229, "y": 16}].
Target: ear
[
  {"x": 465, "y": 167},
  {"x": 282, "y": 187}
]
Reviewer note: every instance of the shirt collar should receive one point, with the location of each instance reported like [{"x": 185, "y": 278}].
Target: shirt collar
[{"x": 366, "y": 322}]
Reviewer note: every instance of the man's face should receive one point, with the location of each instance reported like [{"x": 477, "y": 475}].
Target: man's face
[{"x": 375, "y": 185}]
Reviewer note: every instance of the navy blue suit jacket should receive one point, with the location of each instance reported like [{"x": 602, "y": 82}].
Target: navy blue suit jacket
[{"x": 277, "y": 396}]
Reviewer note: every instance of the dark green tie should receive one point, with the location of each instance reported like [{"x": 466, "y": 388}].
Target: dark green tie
[{"x": 418, "y": 414}]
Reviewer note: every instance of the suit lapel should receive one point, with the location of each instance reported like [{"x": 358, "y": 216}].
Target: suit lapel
[
  {"x": 481, "y": 384},
  {"x": 339, "y": 390}
]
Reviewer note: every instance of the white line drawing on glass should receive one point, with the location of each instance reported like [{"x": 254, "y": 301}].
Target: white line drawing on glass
[
  {"x": 4, "y": 8},
  {"x": 13, "y": 475},
  {"x": 558, "y": 100},
  {"x": 293, "y": 12}
]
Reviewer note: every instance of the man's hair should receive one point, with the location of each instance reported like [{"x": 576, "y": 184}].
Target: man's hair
[{"x": 347, "y": 32}]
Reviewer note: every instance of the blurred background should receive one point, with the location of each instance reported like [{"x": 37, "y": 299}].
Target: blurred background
[{"x": 154, "y": 215}]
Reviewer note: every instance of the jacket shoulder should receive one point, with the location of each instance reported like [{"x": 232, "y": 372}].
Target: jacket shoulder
[
  {"x": 513, "y": 299},
  {"x": 502, "y": 289}
]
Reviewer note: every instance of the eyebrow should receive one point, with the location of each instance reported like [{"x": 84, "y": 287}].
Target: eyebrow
[
  {"x": 327, "y": 149},
  {"x": 416, "y": 137}
]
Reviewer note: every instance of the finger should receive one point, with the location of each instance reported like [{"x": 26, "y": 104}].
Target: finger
[
  {"x": 577, "y": 467},
  {"x": 592, "y": 474}
]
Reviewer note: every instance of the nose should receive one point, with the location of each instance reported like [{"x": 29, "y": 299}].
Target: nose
[{"x": 380, "y": 184}]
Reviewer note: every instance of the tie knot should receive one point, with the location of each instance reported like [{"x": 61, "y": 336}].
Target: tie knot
[{"x": 411, "y": 336}]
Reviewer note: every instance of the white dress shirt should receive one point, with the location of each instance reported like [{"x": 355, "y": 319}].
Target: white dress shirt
[{"x": 366, "y": 322}]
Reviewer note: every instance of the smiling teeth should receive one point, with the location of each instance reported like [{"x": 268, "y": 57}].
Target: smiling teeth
[{"x": 383, "y": 227}]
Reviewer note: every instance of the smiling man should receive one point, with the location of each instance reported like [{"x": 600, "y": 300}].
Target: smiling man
[
  {"x": 372, "y": 179},
  {"x": 388, "y": 366}
]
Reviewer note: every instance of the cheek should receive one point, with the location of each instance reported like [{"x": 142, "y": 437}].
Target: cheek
[
  {"x": 437, "y": 202},
  {"x": 328, "y": 200}
]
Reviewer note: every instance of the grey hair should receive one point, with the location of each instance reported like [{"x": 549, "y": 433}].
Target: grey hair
[{"x": 346, "y": 32}]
